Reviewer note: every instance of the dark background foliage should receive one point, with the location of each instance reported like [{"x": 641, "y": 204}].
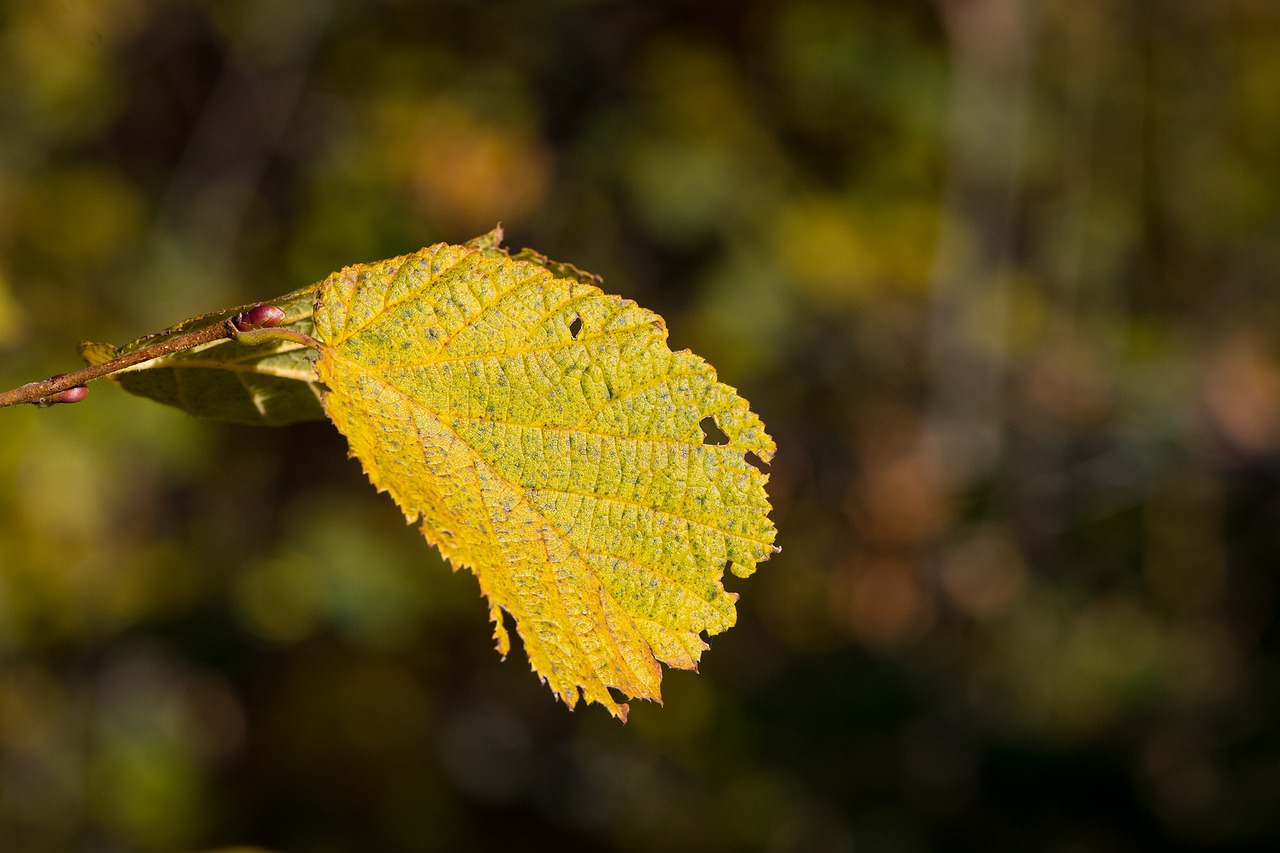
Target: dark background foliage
[{"x": 998, "y": 274}]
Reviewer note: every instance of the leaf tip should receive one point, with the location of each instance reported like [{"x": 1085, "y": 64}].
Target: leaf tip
[
  {"x": 95, "y": 353},
  {"x": 487, "y": 242}
]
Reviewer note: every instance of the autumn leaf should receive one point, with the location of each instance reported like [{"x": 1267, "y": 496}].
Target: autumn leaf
[
  {"x": 547, "y": 439},
  {"x": 541, "y": 433},
  {"x": 271, "y": 384}
]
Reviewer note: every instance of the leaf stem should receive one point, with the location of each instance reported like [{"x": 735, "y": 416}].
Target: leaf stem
[
  {"x": 239, "y": 328},
  {"x": 256, "y": 337}
]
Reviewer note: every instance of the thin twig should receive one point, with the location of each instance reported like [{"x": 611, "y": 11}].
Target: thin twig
[{"x": 238, "y": 328}]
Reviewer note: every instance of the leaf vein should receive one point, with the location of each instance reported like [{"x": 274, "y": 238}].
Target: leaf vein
[
  {"x": 509, "y": 353},
  {"x": 690, "y": 519}
]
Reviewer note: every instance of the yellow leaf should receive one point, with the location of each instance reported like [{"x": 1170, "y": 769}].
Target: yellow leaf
[{"x": 548, "y": 439}]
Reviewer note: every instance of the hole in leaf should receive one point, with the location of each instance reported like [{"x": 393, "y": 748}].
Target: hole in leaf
[
  {"x": 575, "y": 327},
  {"x": 711, "y": 432},
  {"x": 756, "y": 462}
]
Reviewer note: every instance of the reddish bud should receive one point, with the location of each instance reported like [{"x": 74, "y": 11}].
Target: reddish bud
[
  {"x": 258, "y": 317},
  {"x": 71, "y": 395}
]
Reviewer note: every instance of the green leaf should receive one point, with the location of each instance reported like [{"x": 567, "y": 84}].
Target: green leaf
[
  {"x": 548, "y": 440},
  {"x": 271, "y": 384}
]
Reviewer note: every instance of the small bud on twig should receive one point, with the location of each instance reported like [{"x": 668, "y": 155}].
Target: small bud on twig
[
  {"x": 71, "y": 395},
  {"x": 74, "y": 394},
  {"x": 258, "y": 317},
  {"x": 250, "y": 328}
]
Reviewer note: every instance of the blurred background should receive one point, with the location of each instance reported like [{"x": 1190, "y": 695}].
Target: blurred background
[{"x": 999, "y": 275}]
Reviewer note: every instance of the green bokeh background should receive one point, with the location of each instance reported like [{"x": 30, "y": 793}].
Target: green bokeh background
[{"x": 999, "y": 275}]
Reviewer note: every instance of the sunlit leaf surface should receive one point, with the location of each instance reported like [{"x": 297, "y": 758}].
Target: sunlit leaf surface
[{"x": 548, "y": 439}]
